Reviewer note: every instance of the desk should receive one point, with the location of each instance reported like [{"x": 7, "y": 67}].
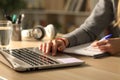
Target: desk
[{"x": 94, "y": 69}]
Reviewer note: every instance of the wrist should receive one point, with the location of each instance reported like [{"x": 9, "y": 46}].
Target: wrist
[{"x": 64, "y": 40}]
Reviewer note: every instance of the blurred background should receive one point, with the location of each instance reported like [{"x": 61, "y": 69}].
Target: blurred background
[{"x": 65, "y": 15}]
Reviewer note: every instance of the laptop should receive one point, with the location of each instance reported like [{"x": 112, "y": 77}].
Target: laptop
[{"x": 27, "y": 59}]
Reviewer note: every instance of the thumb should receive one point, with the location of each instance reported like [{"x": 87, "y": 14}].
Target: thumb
[{"x": 61, "y": 48}]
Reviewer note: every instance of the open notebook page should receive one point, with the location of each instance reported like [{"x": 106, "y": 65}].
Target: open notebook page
[{"x": 85, "y": 49}]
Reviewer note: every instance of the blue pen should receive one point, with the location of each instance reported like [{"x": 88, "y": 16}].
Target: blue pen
[{"x": 106, "y": 37}]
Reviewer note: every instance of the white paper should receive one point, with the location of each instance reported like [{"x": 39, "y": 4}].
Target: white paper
[
  {"x": 69, "y": 60},
  {"x": 84, "y": 49},
  {"x": 2, "y": 78}
]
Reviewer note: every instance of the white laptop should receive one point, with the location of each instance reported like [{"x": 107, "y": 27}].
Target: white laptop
[{"x": 26, "y": 59}]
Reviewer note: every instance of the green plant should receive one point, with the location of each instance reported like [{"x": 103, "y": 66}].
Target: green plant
[{"x": 11, "y": 6}]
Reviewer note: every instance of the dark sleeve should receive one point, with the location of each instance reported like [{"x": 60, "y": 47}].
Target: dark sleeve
[{"x": 99, "y": 19}]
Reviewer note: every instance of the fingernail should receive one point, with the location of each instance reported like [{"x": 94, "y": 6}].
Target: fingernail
[
  {"x": 59, "y": 49},
  {"x": 53, "y": 54}
]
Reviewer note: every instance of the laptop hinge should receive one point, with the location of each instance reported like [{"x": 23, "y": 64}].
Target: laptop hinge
[{"x": 4, "y": 60}]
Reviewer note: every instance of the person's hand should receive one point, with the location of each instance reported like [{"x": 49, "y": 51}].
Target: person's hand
[
  {"x": 111, "y": 45},
  {"x": 53, "y": 45}
]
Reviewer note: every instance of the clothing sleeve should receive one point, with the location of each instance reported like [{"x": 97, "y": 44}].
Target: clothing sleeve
[{"x": 99, "y": 19}]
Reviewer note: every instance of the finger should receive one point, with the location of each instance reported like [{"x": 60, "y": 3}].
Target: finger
[
  {"x": 61, "y": 46},
  {"x": 48, "y": 47},
  {"x": 94, "y": 44},
  {"x": 40, "y": 47},
  {"x": 54, "y": 47},
  {"x": 105, "y": 48},
  {"x": 44, "y": 47},
  {"x": 99, "y": 43}
]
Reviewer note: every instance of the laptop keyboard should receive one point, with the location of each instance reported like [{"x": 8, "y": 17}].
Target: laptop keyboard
[{"x": 31, "y": 57}]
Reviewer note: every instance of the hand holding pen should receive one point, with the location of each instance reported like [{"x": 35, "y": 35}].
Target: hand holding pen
[
  {"x": 103, "y": 44},
  {"x": 106, "y": 37},
  {"x": 95, "y": 43},
  {"x": 98, "y": 44},
  {"x": 111, "y": 45}
]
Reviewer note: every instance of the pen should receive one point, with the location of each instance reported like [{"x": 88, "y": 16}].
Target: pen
[
  {"x": 14, "y": 18},
  {"x": 20, "y": 19},
  {"x": 106, "y": 37},
  {"x": 8, "y": 17}
]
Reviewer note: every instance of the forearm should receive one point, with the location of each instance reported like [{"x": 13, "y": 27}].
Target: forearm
[
  {"x": 78, "y": 37},
  {"x": 93, "y": 25}
]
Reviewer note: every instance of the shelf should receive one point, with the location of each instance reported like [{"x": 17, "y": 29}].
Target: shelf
[
  {"x": 60, "y": 19},
  {"x": 58, "y": 12}
]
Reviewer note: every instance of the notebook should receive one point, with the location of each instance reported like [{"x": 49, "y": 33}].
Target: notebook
[
  {"x": 2, "y": 78},
  {"x": 27, "y": 59},
  {"x": 87, "y": 50}
]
